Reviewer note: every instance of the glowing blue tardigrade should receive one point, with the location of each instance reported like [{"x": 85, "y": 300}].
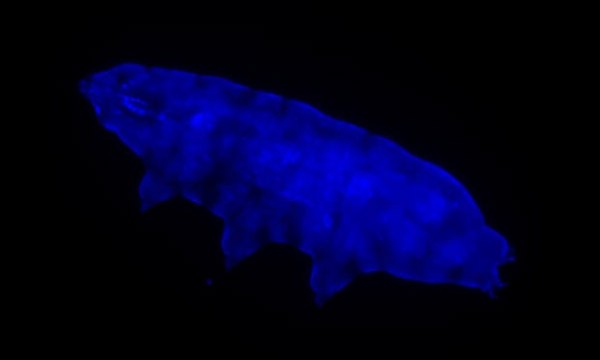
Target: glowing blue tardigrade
[{"x": 279, "y": 171}]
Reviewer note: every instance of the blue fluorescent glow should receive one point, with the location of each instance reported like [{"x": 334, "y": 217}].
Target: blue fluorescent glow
[{"x": 278, "y": 170}]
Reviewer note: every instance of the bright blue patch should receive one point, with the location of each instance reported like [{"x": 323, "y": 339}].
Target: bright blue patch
[{"x": 277, "y": 170}]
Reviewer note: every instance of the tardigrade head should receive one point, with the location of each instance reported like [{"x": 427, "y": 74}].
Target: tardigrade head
[{"x": 142, "y": 104}]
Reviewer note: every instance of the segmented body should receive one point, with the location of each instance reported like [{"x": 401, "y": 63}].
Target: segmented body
[{"x": 278, "y": 170}]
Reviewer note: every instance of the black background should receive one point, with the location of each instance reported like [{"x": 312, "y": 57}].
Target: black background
[{"x": 451, "y": 95}]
